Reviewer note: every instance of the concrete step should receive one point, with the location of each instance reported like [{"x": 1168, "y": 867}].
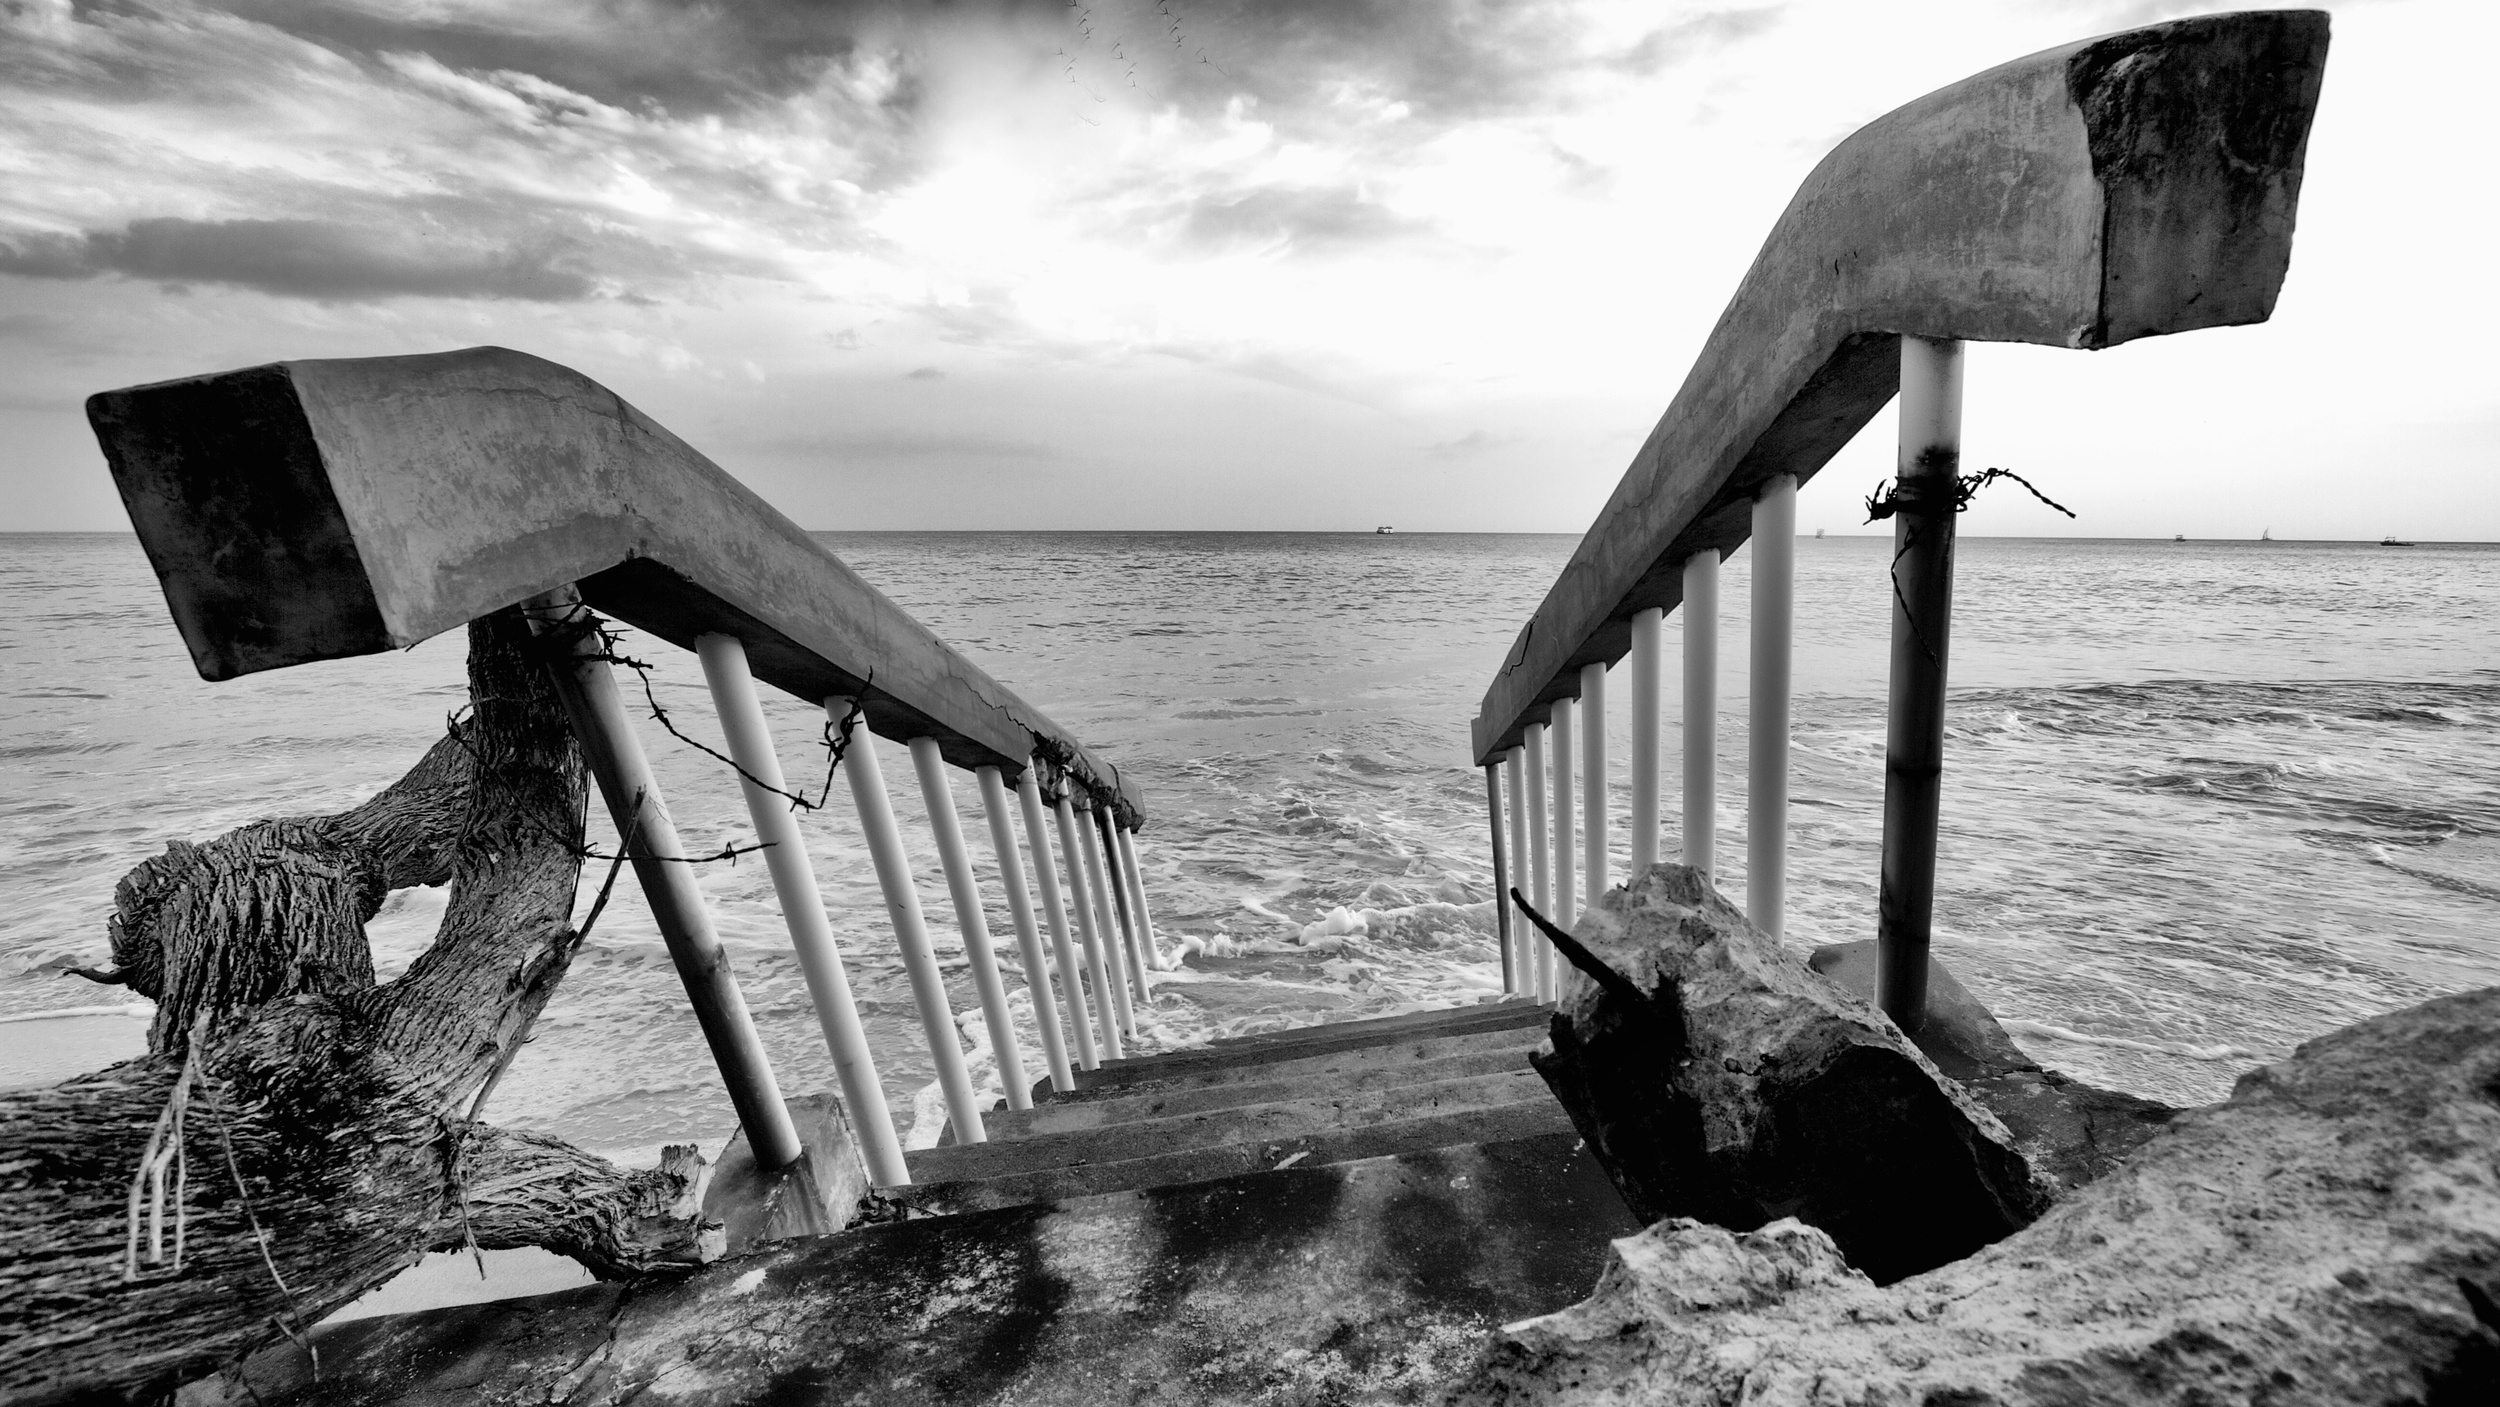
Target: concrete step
[
  {"x": 1316, "y": 1040},
  {"x": 1295, "y": 1062},
  {"x": 1156, "y": 1101},
  {"x": 1309, "y": 1112},
  {"x": 1418, "y": 1022},
  {"x": 1526, "y": 1119}
]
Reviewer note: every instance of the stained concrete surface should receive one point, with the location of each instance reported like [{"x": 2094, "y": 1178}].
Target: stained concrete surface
[{"x": 1370, "y": 1281}]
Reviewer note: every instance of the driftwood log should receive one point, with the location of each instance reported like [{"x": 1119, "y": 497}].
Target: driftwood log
[{"x": 297, "y": 1134}]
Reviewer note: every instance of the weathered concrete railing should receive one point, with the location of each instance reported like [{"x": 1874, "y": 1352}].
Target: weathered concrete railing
[
  {"x": 319, "y": 509},
  {"x": 2124, "y": 187}
]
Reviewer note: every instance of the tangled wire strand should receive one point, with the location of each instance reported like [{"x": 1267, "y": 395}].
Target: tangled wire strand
[{"x": 1889, "y": 501}]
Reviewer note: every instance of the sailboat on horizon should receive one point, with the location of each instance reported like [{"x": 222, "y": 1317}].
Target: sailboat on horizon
[{"x": 2266, "y": 536}]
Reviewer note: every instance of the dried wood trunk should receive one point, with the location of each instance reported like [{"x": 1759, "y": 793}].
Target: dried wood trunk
[{"x": 323, "y": 1142}]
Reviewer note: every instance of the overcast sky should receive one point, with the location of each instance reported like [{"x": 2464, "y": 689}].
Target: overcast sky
[{"x": 1315, "y": 264}]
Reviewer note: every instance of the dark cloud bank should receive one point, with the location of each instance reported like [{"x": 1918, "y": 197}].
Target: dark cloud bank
[{"x": 303, "y": 259}]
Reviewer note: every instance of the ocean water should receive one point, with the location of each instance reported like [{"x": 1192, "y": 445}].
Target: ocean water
[{"x": 2203, "y": 800}]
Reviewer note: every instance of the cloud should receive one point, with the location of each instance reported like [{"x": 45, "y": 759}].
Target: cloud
[
  {"x": 1315, "y": 218},
  {"x": 1473, "y": 442},
  {"x": 690, "y": 59},
  {"x": 1673, "y": 44},
  {"x": 909, "y": 444},
  {"x": 308, "y": 259}
]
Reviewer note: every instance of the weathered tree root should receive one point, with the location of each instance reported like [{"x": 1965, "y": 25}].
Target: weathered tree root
[{"x": 325, "y": 1142}]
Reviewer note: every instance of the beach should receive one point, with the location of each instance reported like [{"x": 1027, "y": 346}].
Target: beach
[{"x": 2202, "y": 802}]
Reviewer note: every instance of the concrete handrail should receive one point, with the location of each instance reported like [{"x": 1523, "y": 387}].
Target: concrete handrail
[
  {"x": 2122, "y": 187},
  {"x": 314, "y": 510}
]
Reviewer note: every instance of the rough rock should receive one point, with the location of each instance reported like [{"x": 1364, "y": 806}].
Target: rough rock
[
  {"x": 2069, "y": 1131},
  {"x": 2329, "y": 1235},
  {"x": 1717, "y": 1078}
]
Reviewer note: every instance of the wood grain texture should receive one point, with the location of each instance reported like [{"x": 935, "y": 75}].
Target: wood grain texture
[{"x": 325, "y": 1113}]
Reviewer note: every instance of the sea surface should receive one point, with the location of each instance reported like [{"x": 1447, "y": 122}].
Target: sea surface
[{"x": 2202, "y": 802}]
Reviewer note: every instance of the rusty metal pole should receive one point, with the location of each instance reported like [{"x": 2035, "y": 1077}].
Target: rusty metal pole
[
  {"x": 1928, "y": 471},
  {"x": 586, "y": 686}
]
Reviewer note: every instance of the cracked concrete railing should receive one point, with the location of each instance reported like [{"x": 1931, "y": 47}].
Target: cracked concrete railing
[
  {"x": 2129, "y": 186},
  {"x": 314, "y": 510}
]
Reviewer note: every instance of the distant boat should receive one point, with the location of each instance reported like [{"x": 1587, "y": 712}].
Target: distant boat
[
  {"x": 2266, "y": 536},
  {"x": 2390, "y": 541},
  {"x": 1384, "y": 530},
  {"x": 2178, "y": 537},
  {"x": 1818, "y": 532}
]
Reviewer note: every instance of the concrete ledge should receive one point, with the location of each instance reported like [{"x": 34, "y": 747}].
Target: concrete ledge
[
  {"x": 313, "y": 510},
  {"x": 1375, "y": 1281}
]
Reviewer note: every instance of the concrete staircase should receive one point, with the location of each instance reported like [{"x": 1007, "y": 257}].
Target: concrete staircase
[
  {"x": 1341, "y": 1214},
  {"x": 1307, "y": 1097}
]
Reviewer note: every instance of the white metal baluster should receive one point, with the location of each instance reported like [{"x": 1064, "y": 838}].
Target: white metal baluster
[
  {"x": 1028, "y": 933},
  {"x": 1501, "y": 870},
  {"x": 586, "y": 687},
  {"x": 1648, "y": 634},
  {"x": 1523, "y": 935},
  {"x": 1117, "y": 885},
  {"x": 1540, "y": 863},
  {"x": 1137, "y": 896},
  {"x": 956, "y": 860},
  {"x": 1101, "y": 961},
  {"x": 1566, "y": 910},
  {"x": 1701, "y": 711},
  {"x": 802, "y": 906},
  {"x": 1766, "y": 781},
  {"x": 1055, "y": 909},
  {"x": 911, "y": 930},
  {"x": 1592, "y": 784}
]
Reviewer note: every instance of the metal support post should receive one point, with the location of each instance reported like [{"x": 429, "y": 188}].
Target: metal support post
[
  {"x": 1540, "y": 863},
  {"x": 586, "y": 686},
  {"x": 911, "y": 930},
  {"x": 1565, "y": 735},
  {"x": 1523, "y": 935},
  {"x": 802, "y": 906},
  {"x": 1028, "y": 932},
  {"x": 1501, "y": 868},
  {"x": 1766, "y": 777},
  {"x": 1701, "y": 711},
  {"x": 1101, "y": 962},
  {"x": 1137, "y": 895},
  {"x": 1055, "y": 910},
  {"x": 1928, "y": 469},
  {"x": 1118, "y": 884},
  {"x": 1592, "y": 784},
  {"x": 947, "y": 828},
  {"x": 1648, "y": 636}
]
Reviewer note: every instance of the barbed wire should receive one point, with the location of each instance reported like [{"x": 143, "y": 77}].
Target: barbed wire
[{"x": 1889, "y": 501}]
